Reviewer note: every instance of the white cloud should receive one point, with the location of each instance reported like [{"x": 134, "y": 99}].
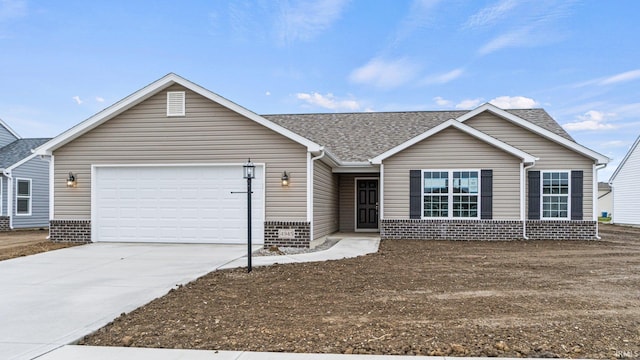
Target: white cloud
[
  {"x": 420, "y": 15},
  {"x": 444, "y": 78},
  {"x": 385, "y": 74},
  {"x": 537, "y": 23},
  {"x": 622, "y": 77},
  {"x": 267, "y": 93},
  {"x": 99, "y": 99},
  {"x": 468, "y": 104},
  {"x": 441, "y": 101},
  {"x": 591, "y": 120},
  {"x": 77, "y": 100},
  {"x": 490, "y": 14},
  {"x": 514, "y": 102},
  {"x": 517, "y": 38},
  {"x": 328, "y": 101},
  {"x": 305, "y": 19}
]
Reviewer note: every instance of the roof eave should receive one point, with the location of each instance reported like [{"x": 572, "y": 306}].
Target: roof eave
[
  {"x": 526, "y": 157},
  {"x": 152, "y": 89},
  {"x": 624, "y": 159},
  {"x": 572, "y": 145},
  {"x": 10, "y": 130}
]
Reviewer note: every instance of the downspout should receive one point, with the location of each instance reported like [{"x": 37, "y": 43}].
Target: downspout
[
  {"x": 594, "y": 197},
  {"x": 310, "y": 182},
  {"x": 523, "y": 197},
  {"x": 9, "y": 196},
  {"x": 49, "y": 158}
]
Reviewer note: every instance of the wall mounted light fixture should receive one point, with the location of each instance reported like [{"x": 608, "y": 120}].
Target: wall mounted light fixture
[
  {"x": 285, "y": 179},
  {"x": 72, "y": 180}
]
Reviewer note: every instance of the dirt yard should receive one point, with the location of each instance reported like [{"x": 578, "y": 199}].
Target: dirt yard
[
  {"x": 19, "y": 243},
  {"x": 511, "y": 299}
]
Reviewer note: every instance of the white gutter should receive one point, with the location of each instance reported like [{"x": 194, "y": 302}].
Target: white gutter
[
  {"x": 9, "y": 196},
  {"x": 594, "y": 195},
  {"x": 310, "y": 190},
  {"x": 523, "y": 172}
]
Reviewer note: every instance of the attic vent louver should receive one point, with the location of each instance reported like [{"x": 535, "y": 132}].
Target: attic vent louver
[{"x": 175, "y": 103}]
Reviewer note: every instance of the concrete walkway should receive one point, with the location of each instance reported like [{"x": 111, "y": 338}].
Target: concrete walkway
[
  {"x": 53, "y": 299},
  {"x": 72, "y": 352}
]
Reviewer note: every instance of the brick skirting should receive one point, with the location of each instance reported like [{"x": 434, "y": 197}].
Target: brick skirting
[
  {"x": 422, "y": 229},
  {"x": 287, "y": 233},
  {"x": 78, "y": 231},
  {"x": 561, "y": 230},
  {"x": 5, "y": 223}
]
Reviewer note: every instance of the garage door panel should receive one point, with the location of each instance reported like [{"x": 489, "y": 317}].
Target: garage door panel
[{"x": 175, "y": 204}]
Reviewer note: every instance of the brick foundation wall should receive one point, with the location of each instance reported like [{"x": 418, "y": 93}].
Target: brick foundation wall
[
  {"x": 422, "y": 229},
  {"x": 5, "y": 223},
  {"x": 70, "y": 231},
  {"x": 287, "y": 233},
  {"x": 561, "y": 230}
]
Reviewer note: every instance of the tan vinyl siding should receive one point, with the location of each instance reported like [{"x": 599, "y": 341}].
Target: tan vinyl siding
[
  {"x": 452, "y": 149},
  {"x": 209, "y": 133},
  {"x": 347, "y": 202},
  {"x": 325, "y": 200},
  {"x": 552, "y": 155}
]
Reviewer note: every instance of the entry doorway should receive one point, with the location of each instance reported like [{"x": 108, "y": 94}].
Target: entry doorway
[{"x": 367, "y": 200}]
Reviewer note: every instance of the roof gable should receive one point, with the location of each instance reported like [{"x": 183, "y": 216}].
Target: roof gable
[
  {"x": 528, "y": 158},
  {"x": 625, "y": 159},
  {"x": 7, "y": 135},
  {"x": 152, "y": 89},
  {"x": 570, "y": 144},
  {"x": 18, "y": 151}
]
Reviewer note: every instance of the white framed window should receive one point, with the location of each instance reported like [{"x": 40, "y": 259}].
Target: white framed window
[
  {"x": 23, "y": 196},
  {"x": 176, "y": 103},
  {"x": 451, "y": 194},
  {"x": 555, "y": 190}
]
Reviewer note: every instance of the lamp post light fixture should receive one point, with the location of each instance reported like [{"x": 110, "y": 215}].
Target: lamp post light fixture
[{"x": 249, "y": 173}]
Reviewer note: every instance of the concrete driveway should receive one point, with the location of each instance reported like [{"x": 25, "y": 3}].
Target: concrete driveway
[{"x": 51, "y": 299}]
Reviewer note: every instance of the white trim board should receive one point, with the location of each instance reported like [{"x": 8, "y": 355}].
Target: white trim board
[
  {"x": 153, "y": 89},
  {"x": 601, "y": 159},
  {"x": 528, "y": 158}
]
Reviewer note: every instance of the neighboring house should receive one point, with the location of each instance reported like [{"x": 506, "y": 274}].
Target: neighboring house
[
  {"x": 165, "y": 164},
  {"x": 624, "y": 182},
  {"x": 24, "y": 182},
  {"x": 605, "y": 199}
]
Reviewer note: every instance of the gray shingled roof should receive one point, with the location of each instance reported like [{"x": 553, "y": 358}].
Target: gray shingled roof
[
  {"x": 359, "y": 137},
  {"x": 18, "y": 150}
]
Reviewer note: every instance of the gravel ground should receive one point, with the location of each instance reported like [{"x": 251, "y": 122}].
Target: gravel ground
[{"x": 512, "y": 299}]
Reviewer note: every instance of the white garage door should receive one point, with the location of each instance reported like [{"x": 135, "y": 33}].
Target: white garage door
[{"x": 187, "y": 204}]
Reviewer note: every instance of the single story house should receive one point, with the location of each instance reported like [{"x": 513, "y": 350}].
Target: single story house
[
  {"x": 165, "y": 164},
  {"x": 605, "y": 199},
  {"x": 623, "y": 183},
  {"x": 24, "y": 182}
]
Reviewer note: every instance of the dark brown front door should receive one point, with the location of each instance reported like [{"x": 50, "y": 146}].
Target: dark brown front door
[{"x": 367, "y": 203}]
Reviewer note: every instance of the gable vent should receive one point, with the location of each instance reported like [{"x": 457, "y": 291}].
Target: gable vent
[{"x": 175, "y": 103}]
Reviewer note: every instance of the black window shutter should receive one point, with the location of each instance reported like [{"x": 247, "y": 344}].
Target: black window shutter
[
  {"x": 576, "y": 194},
  {"x": 486, "y": 194},
  {"x": 534, "y": 195},
  {"x": 415, "y": 194}
]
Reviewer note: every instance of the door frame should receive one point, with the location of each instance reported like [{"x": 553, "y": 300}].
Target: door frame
[{"x": 355, "y": 203}]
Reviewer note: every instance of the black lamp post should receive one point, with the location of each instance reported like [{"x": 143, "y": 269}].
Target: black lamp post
[{"x": 249, "y": 173}]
